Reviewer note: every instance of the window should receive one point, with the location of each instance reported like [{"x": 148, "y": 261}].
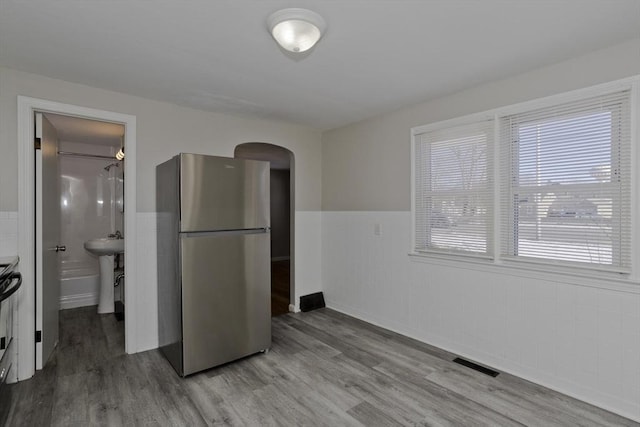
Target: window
[
  {"x": 566, "y": 185},
  {"x": 453, "y": 188},
  {"x": 561, "y": 194}
]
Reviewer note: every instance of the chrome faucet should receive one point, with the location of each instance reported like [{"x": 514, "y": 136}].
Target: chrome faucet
[{"x": 116, "y": 235}]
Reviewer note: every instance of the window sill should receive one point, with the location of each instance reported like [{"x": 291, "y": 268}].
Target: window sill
[{"x": 517, "y": 268}]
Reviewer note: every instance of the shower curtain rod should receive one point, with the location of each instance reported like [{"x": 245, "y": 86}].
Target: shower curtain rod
[{"x": 94, "y": 156}]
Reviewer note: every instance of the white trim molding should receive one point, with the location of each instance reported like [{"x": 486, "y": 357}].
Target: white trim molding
[{"x": 27, "y": 106}]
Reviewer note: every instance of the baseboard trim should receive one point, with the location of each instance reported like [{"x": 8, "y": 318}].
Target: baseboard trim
[
  {"x": 78, "y": 300},
  {"x": 577, "y": 391}
]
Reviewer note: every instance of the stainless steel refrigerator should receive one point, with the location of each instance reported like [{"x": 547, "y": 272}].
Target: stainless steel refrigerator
[{"x": 214, "y": 263}]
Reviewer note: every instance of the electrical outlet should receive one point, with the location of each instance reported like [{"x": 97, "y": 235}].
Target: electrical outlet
[{"x": 377, "y": 229}]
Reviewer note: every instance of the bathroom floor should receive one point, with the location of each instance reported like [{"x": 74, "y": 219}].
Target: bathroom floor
[
  {"x": 324, "y": 368},
  {"x": 80, "y": 367}
]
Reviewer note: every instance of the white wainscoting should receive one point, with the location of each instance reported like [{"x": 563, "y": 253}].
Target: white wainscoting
[
  {"x": 8, "y": 233},
  {"x": 146, "y": 282},
  {"x": 308, "y": 254},
  {"x": 583, "y": 341}
]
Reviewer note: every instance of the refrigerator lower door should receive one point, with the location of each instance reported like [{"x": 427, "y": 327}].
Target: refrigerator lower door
[{"x": 226, "y": 291}]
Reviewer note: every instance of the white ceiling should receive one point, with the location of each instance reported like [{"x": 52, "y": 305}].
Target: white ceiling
[{"x": 376, "y": 56}]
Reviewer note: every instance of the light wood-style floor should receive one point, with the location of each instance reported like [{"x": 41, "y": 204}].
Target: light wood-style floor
[{"x": 324, "y": 368}]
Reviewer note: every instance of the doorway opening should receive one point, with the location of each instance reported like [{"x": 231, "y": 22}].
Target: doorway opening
[
  {"x": 29, "y": 354},
  {"x": 79, "y": 177},
  {"x": 282, "y": 192}
]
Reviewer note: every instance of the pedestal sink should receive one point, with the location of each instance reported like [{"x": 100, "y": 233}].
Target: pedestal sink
[{"x": 105, "y": 248}]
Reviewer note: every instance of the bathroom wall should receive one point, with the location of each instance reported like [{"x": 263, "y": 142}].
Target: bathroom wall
[{"x": 88, "y": 210}]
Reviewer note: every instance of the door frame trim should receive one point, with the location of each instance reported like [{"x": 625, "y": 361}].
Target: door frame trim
[{"x": 27, "y": 106}]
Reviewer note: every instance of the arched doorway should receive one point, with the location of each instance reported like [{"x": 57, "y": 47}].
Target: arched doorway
[{"x": 282, "y": 219}]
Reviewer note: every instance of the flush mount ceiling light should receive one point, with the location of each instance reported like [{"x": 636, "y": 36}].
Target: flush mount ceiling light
[{"x": 296, "y": 30}]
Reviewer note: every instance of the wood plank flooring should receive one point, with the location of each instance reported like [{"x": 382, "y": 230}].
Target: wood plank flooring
[{"x": 324, "y": 369}]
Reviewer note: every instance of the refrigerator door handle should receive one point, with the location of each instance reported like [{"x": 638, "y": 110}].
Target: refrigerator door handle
[{"x": 224, "y": 232}]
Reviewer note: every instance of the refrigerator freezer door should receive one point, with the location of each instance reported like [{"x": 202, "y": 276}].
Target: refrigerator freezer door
[
  {"x": 226, "y": 309},
  {"x": 219, "y": 193}
]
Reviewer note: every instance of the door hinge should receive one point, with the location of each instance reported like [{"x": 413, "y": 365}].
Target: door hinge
[
  {"x": 38, "y": 336},
  {"x": 37, "y": 143},
  {"x": 3, "y": 343}
]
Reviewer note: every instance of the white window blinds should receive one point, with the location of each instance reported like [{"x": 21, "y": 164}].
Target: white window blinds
[
  {"x": 453, "y": 189},
  {"x": 566, "y": 185}
]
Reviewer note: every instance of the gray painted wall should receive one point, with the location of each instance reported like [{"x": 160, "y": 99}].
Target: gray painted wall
[
  {"x": 367, "y": 166},
  {"x": 163, "y": 130}
]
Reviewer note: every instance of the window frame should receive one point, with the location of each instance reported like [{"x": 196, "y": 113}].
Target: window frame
[
  {"x": 455, "y": 126},
  {"x": 584, "y": 270},
  {"x": 511, "y": 187}
]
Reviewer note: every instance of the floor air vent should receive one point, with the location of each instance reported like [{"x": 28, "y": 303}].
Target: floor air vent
[
  {"x": 476, "y": 367},
  {"x": 312, "y": 302}
]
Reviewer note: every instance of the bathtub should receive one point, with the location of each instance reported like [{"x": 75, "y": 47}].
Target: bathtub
[{"x": 79, "y": 284}]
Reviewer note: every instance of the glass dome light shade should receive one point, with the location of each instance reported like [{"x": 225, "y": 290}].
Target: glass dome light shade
[
  {"x": 296, "y": 30},
  {"x": 295, "y": 35}
]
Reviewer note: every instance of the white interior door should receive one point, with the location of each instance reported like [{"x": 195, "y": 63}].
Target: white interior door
[{"x": 48, "y": 245}]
